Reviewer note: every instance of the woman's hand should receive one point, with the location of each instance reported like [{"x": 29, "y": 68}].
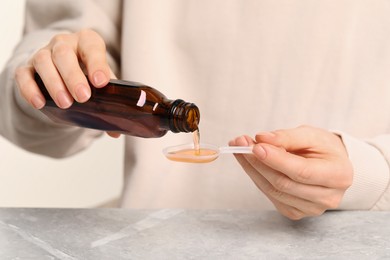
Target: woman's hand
[
  {"x": 59, "y": 64},
  {"x": 304, "y": 171}
]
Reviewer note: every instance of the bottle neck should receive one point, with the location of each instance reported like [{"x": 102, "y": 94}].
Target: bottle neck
[{"x": 183, "y": 116}]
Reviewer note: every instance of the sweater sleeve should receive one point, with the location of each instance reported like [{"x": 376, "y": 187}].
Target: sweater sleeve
[
  {"x": 370, "y": 187},
  {"x": 19, "y": 122}
]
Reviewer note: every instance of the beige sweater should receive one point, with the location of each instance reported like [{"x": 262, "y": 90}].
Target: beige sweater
[{"x": 250, "y": 66}]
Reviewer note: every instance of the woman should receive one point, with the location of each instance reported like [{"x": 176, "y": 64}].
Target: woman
[{"x": 305, "y": 83}]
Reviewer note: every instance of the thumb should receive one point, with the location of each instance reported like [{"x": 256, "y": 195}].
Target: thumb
[{"x": 299, "y": 138}]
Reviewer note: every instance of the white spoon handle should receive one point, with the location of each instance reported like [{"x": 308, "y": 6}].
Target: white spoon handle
[{"x": 236, "y": 149}]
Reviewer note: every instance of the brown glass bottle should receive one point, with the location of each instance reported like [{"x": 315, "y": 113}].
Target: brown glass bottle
[{"x": 126, "y": 107}]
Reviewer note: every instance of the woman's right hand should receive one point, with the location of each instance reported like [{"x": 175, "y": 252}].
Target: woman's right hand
[{"x": 59, "y": 64}]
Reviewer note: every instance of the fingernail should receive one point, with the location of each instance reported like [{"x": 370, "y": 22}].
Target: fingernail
[
  {"x": 64, "y": 100},
  {"x": 259, "y": 151},
  {"x": 83, "y": 93},
  {"x": 38, "y": 102},
  {"x": 99, "y": 79}
]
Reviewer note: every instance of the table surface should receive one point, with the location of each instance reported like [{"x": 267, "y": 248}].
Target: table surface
[{"x": 187, "y": 234}]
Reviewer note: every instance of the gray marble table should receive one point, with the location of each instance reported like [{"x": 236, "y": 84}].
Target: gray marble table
[{"x": 185, "y": 234}]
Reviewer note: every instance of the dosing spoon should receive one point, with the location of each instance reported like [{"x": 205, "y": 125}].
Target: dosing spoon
[{"x": 206, "y": 153}]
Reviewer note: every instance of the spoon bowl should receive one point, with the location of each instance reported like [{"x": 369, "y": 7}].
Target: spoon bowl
[{"x": 206, "y": 153}]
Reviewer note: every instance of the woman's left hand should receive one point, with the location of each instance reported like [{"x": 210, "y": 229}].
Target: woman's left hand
[{"x": 304, "y": 171}]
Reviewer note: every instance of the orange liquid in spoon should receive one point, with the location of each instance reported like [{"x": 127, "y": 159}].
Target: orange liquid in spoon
[
  {"x": 195, "y": 155},
  {"x": 203, "y": 155}
]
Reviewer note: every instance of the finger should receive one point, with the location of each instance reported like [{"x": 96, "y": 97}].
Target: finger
[
  {"x": 291, "y": 139},
  {"x": 66, "y": 61},
  {"x": 289, "y": 205},
  {"x": 243, "y": 140},
  {"x": 282, "y": 185},
  {"x": 92, "y": 51},
  {"x": 244, "y": 161},
  {"x": 316, "y": 193},
  {"x": 259, "y": 172},
  {"x": 302, "y": 138},
  {"x": 298, "y": 209},
  {"x": 43, "y": 64},
  {"x": 307, "y": 208},
  {"x": 307, "y": 171},
  {"x": 288, "y": 211},
  {"x": 263, "y": 185},
  {"x": 28, "y": 88}
]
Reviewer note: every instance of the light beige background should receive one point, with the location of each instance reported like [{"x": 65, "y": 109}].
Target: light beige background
[{"x": 27, "y": 180}]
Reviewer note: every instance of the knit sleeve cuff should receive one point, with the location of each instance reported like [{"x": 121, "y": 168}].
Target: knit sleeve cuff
[{"x": 371, "y": 174}]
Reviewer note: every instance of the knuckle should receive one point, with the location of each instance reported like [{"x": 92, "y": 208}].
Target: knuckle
[
  {"x": 275, "y": 193},
  {"x": 293, "y": 214},
  {"x": 91, "y": 36},
  {"x": 304, "y": 174},
  {"x": 61, "y": 37},
  {"x": 86, "y": 32},
  {"x": 282, "y": 183},
  {"x": 61, "y": 49},
  {"x": 42, "y": 56}
]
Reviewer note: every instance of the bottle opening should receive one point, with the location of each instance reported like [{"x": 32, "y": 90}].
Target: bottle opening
[{"x": 185, "y": 117}]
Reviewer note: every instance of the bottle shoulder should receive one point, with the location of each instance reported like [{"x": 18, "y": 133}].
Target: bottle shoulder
[
  {"x": 126, "y": 83},
  {"x": 132, "y": 89}
]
